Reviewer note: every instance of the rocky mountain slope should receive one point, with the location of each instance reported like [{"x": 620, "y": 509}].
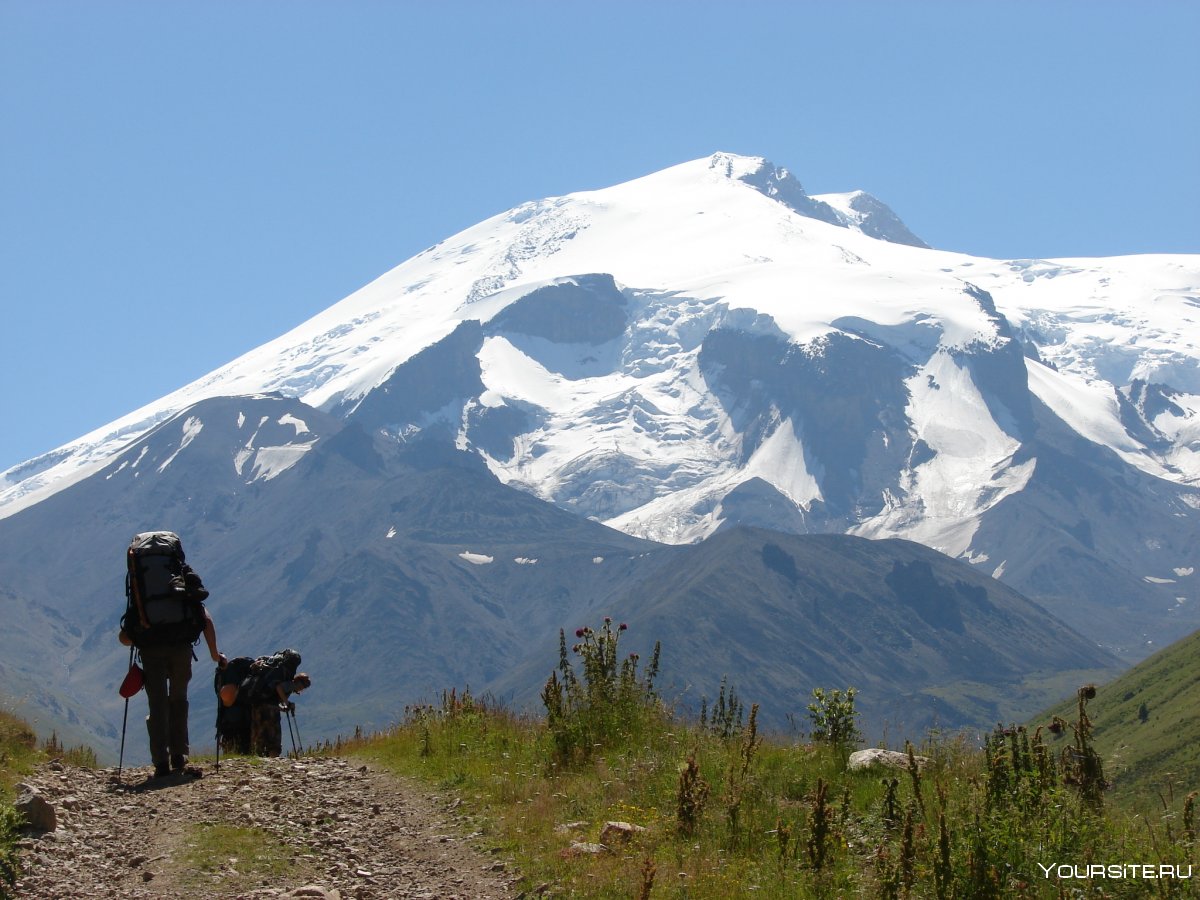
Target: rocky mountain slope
[
  {"x": 402, "y": 570},
  {"x": 430, "y": 464},
  {"x": 709, "y": 346}
]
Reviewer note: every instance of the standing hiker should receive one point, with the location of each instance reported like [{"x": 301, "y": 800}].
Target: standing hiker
[{"x": 164, "y": 618}]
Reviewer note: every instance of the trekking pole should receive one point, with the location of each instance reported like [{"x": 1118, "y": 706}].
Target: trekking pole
[
  {"x": 288, "y": 716},
  {"x": 124, "y": 723},
  {"x": 220, "y": 714},
  {"x": 297, "y": 724}
]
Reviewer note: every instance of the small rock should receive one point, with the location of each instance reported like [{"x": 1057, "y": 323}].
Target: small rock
[
  {"x": 314, "y": 891},
  {"x": 619, "y": 832},
  {"x": 568, "y": 827},
  {"x": 585, "y": 848}
]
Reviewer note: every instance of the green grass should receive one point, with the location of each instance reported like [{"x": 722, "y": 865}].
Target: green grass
[
  {"x": 728, "y": 814},
  {"x": 779, "y": 821},
  {"x": 240, "y": 858},
  {"x": 18, "y": 756},
  {"x": 18, "y": 753},
  {"x": 1147, "y": 727}
]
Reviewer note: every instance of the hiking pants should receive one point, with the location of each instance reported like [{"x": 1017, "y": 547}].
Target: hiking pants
[
  {"x": 167, "y": 671},
  {"x": 266, "y": 735}
]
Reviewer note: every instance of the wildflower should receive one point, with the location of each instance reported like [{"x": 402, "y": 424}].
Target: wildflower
[
  {"x": 579, "y": 632},
  {"x": 608, "y": 620},
  {"x": 1088, "y": 692},
  {"x": 622, "y": 627}
]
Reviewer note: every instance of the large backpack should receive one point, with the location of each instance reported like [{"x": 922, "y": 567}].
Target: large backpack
[
  {"x": 266, "y": 673},
  {"x": 233, "y": 708},
  {"x": 164, "y": 596}
]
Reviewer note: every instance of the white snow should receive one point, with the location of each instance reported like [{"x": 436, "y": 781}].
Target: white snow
[
  {"x": 972, "y": 468},
  {"x": 477, "y": 559},
  {"x": 299, "y": 425},
  {"x": 191, "y": 427},
  {"x": 269, "y": 462},
  {"x": 694, "y": 247}
]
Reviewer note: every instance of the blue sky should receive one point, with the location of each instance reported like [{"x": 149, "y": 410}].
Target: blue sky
[{"x": 182, "y": 181}]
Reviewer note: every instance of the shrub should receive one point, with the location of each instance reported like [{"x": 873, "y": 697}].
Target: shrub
[
  {"x": 834, "y": 719},
  {"x": 610, "y": 703},
  {"x": 10, "y": 867}
]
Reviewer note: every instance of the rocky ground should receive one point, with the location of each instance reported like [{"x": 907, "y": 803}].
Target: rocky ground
[{"x": 322, "y": 828}]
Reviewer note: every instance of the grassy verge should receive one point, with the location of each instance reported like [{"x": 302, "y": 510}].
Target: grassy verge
[
  {"x": 719, "y": 812},
  {"x": 239, "y": 858}
]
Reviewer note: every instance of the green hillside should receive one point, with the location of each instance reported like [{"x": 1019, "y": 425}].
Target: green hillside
[{"x": 1147, "y": 725}]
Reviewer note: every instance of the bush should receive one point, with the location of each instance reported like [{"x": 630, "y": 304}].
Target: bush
[
  {"x": 10, "y": 827},
  {"x": 835, "y": 719},
  {"x": 609, "y": 704}
]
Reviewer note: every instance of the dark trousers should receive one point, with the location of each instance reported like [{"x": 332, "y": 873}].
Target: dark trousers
[
  {"x": 266, "y": 736},
  {"x": 167, "y": 671}
]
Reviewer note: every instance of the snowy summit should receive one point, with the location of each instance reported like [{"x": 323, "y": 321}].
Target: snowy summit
[{"x": 710, "y": 345}]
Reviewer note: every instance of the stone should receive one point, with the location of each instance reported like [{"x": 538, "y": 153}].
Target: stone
[
  {"x": 890, "y": 759},
  {"x": 568, "y": 827},
  {"x": 314, "y": 891},
  {"x": 619, "y": 832},
  {"x": 38, "y": 812}
]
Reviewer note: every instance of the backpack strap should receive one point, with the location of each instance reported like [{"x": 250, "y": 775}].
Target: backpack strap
[{"x": 131, "y": 583}]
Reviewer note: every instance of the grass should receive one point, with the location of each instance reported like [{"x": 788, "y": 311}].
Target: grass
[
  {"x": 1147, "y": 722},
  {"x": 19, "y": 754},
  {"x": 728, "y": 813},
  {"x": 241, "y": 858}
]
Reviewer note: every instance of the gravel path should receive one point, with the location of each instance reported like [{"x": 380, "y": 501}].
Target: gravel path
[{"x": 337, "y": 828}]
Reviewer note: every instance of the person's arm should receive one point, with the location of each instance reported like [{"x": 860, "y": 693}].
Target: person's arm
[
  {"x": 210, "y": 638},
  {"x": 281, "y": 690}
]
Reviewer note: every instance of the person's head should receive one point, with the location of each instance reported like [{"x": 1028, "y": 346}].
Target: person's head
[{"x": 301, "y": 682}]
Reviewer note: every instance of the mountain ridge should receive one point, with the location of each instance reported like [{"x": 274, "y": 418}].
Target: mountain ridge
[{"x": 677, "y": 358}]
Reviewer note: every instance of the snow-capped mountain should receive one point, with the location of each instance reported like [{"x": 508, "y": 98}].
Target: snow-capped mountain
[{"x": 710, "y": 345}]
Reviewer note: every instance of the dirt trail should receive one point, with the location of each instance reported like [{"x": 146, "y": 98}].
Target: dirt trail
[{"x": 342, "y": 830}]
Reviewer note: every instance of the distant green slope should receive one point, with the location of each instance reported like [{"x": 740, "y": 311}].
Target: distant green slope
[{"x": 1147, "y": 724}]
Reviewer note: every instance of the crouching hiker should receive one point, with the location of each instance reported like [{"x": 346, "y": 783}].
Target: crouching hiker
[
  {"x": 266, "y": 735},
  {"x": 272, "y": 680}
]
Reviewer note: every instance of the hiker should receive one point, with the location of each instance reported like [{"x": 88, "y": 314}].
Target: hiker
[
  {"x": 233, "y": 707},
  {"x": 266, "y": 736},
  {"x": 164, "y": 618}
]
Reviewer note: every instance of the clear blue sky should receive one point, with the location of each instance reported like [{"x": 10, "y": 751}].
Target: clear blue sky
[{"x": 182, "y": 181}]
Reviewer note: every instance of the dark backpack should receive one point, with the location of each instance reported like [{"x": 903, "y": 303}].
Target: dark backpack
[
  {"x": 164, "y": 596},
  {"x": 268, "y": 672},
  {"x": 233, "y": 709}
]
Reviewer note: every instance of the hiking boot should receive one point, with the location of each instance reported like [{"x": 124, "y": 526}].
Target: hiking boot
[
  {"x": 178, "y": 761},
  {"x": 161, "y": 770}
]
